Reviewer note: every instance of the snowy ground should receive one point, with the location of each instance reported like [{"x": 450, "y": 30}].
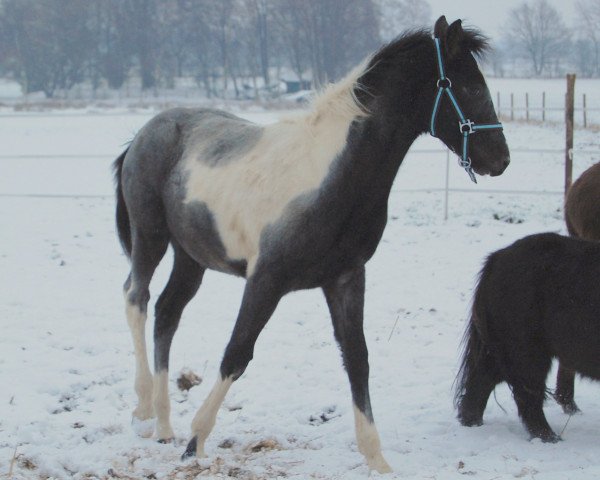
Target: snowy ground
[{"x": 66, "y": 361}]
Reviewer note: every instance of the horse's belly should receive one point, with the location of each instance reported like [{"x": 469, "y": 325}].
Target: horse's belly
[{"x": 193, "y": 227}]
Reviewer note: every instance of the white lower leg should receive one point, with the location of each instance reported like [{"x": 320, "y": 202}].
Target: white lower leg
[
  {"x": 162, "y": 407},
  {"x": 368, "y": 442},
  {"x": 205, "y": 418},
  {"x": 143, "y": 378}
]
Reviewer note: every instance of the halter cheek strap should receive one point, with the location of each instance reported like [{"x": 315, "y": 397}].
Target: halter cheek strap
[{"x": 466, "y": 126}]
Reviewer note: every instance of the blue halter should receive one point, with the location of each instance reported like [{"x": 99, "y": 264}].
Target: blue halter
[{"x": 466, "y": 126}]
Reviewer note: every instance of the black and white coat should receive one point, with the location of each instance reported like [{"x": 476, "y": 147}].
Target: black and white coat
[{"x": 298, "y": 204}]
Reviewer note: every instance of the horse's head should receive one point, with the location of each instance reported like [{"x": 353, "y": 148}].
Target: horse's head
[{"x": 463, "y": 115}]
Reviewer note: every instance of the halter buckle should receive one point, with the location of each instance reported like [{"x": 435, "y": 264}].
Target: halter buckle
[
  {"x": 444, "y": 83},
  {"x": 466, "y": 126}
]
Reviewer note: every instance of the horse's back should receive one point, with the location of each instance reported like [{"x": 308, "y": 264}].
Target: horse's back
[
  {"x": 153, "y": 177},
  {"x": 164, "y": 139},
  {"x": 582, "y": 206},
  {"x": 545, "y": 287}
]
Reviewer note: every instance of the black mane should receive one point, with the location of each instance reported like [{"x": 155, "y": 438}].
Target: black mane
[{"x": 472, "y": 40}]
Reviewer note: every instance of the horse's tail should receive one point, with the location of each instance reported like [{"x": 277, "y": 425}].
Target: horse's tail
[
  {"x": 123, "y": 224},
  {"x": 479, "y": 357},
  {"x": 473, "y": 357}
]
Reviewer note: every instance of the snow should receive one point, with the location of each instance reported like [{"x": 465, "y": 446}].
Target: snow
[{"x": 66, "y": 357}]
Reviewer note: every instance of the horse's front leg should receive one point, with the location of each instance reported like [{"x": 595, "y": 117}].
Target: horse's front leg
[
  {"x": 261, "y": 296},
  {"x": 345, "y": 298}
]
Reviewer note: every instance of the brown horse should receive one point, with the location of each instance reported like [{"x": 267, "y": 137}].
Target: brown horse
[{"x": 582, "y": 215}]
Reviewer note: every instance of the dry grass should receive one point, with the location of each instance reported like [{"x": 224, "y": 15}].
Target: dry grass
[{"x": 188, "y": 379}]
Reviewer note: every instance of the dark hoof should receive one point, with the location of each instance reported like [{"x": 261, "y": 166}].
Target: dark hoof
[
  {"x": 550, "y": 438},
  {"x": 470, "y": 421},
  {"x": 164, "y": 441},
  {"x": 190, "y": 451}
]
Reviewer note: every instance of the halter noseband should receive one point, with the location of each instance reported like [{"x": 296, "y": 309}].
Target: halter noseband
[{"x": 466, "y": 126}]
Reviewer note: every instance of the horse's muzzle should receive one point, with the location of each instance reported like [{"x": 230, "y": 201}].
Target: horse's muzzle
[{"x": 499, "y": 170}]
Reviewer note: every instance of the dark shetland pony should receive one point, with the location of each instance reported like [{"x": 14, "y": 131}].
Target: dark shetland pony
[
  {"x": 536, "y": 300},
  {"x": 582, "y": 215},
  {"x": 298, "y": 204}
]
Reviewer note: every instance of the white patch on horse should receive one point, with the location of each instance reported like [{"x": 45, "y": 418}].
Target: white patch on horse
[
  {"x": 143, "y": 378},
  {"x": 368, "y": 442},
  {"x": 205, "y": 418},
  {"x": 291, "y": 158},
  {"x": 162, "y": 407}
]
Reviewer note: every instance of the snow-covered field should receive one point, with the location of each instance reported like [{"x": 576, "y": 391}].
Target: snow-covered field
[{"x": 66, "y": 359}]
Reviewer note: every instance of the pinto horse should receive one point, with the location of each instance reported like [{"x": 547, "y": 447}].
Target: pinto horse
[
  {"x": 582, "y": 216},
  {"x": 536, "y": 300},
  {"x": 298, "y": 204}
]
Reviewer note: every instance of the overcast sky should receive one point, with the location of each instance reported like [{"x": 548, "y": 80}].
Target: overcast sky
[{"x": 490, "y": 15}]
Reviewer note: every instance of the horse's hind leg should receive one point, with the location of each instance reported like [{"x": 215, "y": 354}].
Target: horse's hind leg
[
  {"x": 261, "y": 296},
  {"x": 147, "y": 251},
  {"x": 183, "y": 284},
  {"x": 345, "y": 298},
  {"x": 565, "y": 390},
  {"x": 479, "y": 384},
  {"x": 529, "y": 390}
]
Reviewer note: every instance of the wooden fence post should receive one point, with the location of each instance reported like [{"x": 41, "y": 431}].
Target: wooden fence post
[
  {"x": 512, "y": 107},
  {"x": 527, "y": 107},
  {"x": 543, "y": 106},
  {"x": 584, "y": 111},
  {"x": 569, "y": 122}
]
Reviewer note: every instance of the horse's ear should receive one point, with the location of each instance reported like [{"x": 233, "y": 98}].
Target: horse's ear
[
  {"x": 440, "y": 28},
  {"x": 454, "y": 37}
]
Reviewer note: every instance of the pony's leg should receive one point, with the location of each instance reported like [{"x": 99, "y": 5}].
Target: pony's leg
[
  {"x": 147, "y": 251},
  {"x": 261, "y": 296},
  {"x": 480, "y": 383},
  {"x": 183, "y": 284},
  {"x": 529, "y": 390},
  {"x": 345, "y": 298},
  {"x": 530, "y": 402},
  {"x": 565, "y": 390}
]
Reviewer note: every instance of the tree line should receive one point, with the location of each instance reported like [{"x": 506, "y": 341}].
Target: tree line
[
  {"x": 536, "y": 41},
  {"x": 52, "y": 45},
  {"x": 230, "y": 46}
]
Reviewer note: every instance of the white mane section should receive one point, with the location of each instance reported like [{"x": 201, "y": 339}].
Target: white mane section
[{"x": 291, "y": 158}]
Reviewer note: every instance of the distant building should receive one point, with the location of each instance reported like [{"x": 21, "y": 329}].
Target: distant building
[{"x": 293, "y": 83}]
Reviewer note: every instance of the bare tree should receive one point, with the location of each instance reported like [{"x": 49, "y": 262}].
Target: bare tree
[
  {"x": 398, "y": 16},
  {"x": 329, "y": 36},
  {"x": 588, "y": 19},
  {"x": 536, "y": 31},
  {"x": 143, "y": 33},
  {"x": 112, "y": 54},
  {"x": 51, "y": 41},
  {"x": 260, "y": 14},
  {"x": 53, "y": 44},
  {"x": 289, "y": 29}
]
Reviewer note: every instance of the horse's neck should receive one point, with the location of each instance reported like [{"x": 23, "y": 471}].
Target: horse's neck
[
  {"x": 379, "y": 142},
  {"x": 377, "y": 153},
  {"x": 366, "y": 145}
]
